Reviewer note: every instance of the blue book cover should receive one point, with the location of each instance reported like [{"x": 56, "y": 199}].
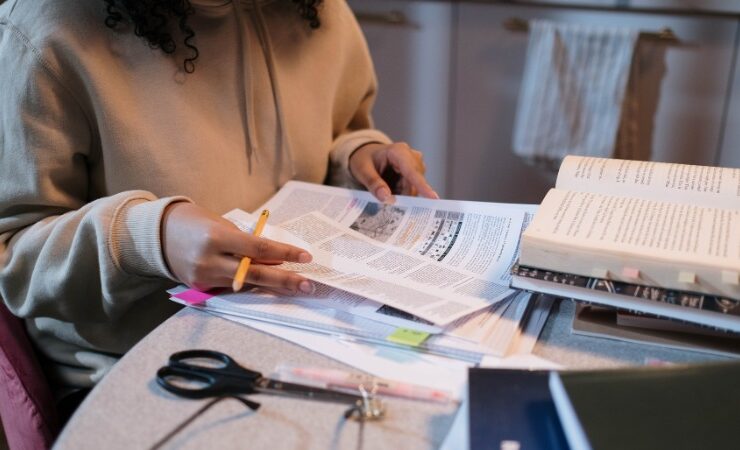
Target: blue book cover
[{"x": 512, "y": 409}]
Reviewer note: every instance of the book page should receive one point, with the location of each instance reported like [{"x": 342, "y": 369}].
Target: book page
[
  {"x": 679, "y": 183},
  {"x": 638, "y": 226}
]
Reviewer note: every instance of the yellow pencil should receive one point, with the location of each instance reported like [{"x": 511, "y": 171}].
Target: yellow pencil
[{"x": 241, "y": 271}]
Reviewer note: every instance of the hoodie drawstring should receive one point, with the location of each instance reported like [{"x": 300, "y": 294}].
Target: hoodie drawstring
[
  {"x": 250, "y": 128},
  {"x": 285, "y": 149}
]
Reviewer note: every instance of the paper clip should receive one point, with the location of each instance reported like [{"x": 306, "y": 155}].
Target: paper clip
[{"x": 369, "y": 408}]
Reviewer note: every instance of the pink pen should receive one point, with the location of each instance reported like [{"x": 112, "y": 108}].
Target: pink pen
[{"x": 350, "y": 382}]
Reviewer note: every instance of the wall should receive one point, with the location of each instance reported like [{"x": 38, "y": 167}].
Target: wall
[
  {"x": 479, "y": 77},
  {"x": 411, "y": 47}
]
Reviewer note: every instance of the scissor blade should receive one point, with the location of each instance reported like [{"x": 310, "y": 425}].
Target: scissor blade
[{"x": 270, "y": 386}]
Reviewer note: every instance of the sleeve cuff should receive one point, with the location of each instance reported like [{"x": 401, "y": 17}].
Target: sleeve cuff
[
  {"x": 136, "y": 236},
  {"x": 343, "y": 148}
]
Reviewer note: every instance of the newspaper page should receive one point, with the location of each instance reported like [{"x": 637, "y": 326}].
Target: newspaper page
[
  {"x": 481, "y": 238},
  {"x": 348, "y": 260}
]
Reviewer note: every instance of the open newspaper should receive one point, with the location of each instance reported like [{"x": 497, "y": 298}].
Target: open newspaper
[
  {"x": 479, "y": 237},
  {"x": 434, "y": 266},
  {"x": 437, "y": 260},
  {"x": 347, "y": 260}
]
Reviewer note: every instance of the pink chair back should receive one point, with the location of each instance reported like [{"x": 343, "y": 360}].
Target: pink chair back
[{"x": 27, "y": 407}]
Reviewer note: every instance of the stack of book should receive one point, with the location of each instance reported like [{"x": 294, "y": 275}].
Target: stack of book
[
  {"x": 659, "y": 241},
  {"x": 595, "y": 321}
]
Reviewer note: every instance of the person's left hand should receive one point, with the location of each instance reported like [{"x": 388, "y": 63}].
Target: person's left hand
[{"x": 387, "y": 169}]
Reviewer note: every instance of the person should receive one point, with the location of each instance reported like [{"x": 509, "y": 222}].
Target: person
[{"x": 128, "y": 127}]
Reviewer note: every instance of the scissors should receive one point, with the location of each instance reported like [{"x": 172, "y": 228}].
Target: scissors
[{"x": 200, "y": 374}]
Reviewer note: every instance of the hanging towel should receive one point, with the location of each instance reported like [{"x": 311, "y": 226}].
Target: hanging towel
[{"x": 574, "y": 95}]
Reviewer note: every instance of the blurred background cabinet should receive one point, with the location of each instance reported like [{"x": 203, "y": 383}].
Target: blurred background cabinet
[
  {"x": 730, "y": 153},
  {"x": 450, "y": 74},
  {"x": 411, "y": 47},
  {"x": 685, "y": 126}
]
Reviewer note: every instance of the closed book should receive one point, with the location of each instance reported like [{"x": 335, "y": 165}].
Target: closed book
[
  {"x": 680, "y": 407},
  {"x": 652, "y": 322},
  {"x": 512, "y": 409},
  {"x": 603, "y": 323},
  {"x": 720, "y": 313}
]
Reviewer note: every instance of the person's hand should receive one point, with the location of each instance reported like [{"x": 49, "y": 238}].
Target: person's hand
[
  {"x": 203, "y": 251},
  {"x": 390, "y": 169}
]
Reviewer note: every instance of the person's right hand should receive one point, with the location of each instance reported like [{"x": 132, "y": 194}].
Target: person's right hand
[{"x": 203, "y": 250}]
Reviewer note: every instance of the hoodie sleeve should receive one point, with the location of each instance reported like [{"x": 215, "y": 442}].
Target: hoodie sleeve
[
  {"x": 62, "y": 254},
  {"x": 360, "y": 79},
  {"x": 360, "y": 133}
]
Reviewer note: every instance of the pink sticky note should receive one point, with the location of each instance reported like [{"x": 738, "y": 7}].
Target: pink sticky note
[
  {"x": 193, "y": 297},
  {"x": 631, "y": 272}
]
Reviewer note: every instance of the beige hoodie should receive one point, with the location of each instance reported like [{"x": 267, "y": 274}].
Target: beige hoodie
[{"x": 99, "y": 133}]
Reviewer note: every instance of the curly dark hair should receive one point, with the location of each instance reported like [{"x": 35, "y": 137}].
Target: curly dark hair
[{"x": 152, "y": 19}]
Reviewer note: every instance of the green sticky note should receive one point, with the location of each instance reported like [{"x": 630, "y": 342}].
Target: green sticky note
[{"x": 405, "y": 336}]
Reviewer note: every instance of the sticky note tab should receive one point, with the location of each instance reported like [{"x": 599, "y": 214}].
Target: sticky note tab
[
  {"x": 631, "y": 272},
  {"x": 405, "y": 336},
  {"x": 600, "y": 273},
  {"x": 686, "y": 277},
  {"x": 193, "y": 297},
  {"x": 730, "y": 277}
]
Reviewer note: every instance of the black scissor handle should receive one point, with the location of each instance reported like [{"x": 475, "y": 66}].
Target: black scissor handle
[
  {"x": 216, "y": 360},
  {"x": 185, "y": 377},
  {"x": 196, "y": 385}
]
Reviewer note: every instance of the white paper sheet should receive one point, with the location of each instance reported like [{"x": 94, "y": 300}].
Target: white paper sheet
[
  {"x": 385, "y": 362},
  {"x": 527, "y": 337},
  {"x": 330, "y": 321}
]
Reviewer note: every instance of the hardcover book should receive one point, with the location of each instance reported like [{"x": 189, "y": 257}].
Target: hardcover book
[
  {"x": 712, "y": 311},
  {"x": 512, "y": 409},
  {"x": 679, "y": 407},
  {"x": 604, "y": 323}
]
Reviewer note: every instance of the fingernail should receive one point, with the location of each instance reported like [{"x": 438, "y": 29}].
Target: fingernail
[
  {"x": 306, "y": 287},
  {"x": 436, "y": 196},
  {"x": 383, "y": 193},
  {"x": 304, "y": 257}
]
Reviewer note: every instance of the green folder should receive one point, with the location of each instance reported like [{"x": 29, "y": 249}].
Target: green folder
[{"x": 678, "y": 407}]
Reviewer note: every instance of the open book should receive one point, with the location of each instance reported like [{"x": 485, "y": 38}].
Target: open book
[{"x": 672, "y": 226}]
